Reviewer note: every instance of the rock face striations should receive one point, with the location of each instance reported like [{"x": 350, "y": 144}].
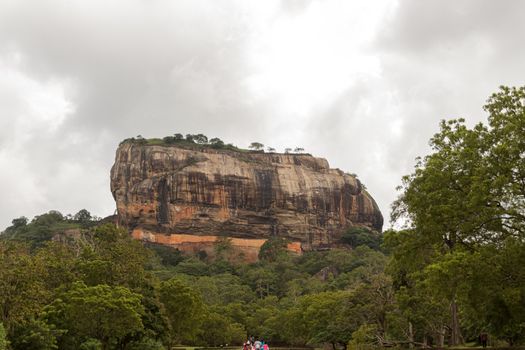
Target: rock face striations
[{"x": 189, "y": 196}]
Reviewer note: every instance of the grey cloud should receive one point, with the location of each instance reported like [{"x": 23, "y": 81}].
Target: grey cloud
[
  {"x": 150, "y": 68},
  {"x": 422, "y": 26},
  {"x": 439, "y": 60}
]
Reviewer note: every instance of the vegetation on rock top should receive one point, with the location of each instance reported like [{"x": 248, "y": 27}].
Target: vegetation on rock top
[{"x": 200, "y": 141}]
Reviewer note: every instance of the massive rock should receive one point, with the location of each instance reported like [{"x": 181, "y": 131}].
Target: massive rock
[{"x": 165, "y": 193}]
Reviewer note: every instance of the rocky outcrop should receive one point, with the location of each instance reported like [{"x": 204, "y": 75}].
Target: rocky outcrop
[{"x": 200, "y": 191}]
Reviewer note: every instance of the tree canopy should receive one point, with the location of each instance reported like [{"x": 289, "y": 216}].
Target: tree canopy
[{"x": 464, "y": 206}]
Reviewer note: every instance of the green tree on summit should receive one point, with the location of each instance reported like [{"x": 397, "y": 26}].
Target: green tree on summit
[
  {"x": 256, "y": 146},
  {"x": 216, "y": 142},
  {"x": 200, "y": 139}
]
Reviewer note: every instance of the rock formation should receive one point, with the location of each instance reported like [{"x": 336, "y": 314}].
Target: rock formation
[{"x": 188, "y": 196}]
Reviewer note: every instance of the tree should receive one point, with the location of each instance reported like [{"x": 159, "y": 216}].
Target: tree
[
  {"x": 421, "y": 313},
  {"x": 287, "y": 150},
  {"x": 356, "y": 236},
  {"x": 200, "y": 139},
  {"x": 216, "y": 142},
  {"x": 257, "y": 146},
  {"x": 184, "y": 309},
  {"x": 108, "y": 314},
  {"x": 115, "y": 259},
  {"x": 270, "y": 149},
  {"x": 35, "y": 335},
  {"x": 273, "y": 248},
  {"x": 220, "y": 330},
  {"x": 332, "y": 317},
  {"x": 22, "y": 292},
  {"x": 91, "y": 344},
  {"x": 222, "y": 247},
  {"x": 468, "y": 193},
  {"x": 169, "y": 140},
  {"x": 19, "y": 222},
  {"x": 178, "y": 137},
  {"x": 83, "y": 216},
  {"x": 298, "y": 149},
  {"x": 42, "y": 228},
  {"x": 506, "y": 160}
]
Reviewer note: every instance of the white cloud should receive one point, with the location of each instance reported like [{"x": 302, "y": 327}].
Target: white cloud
[{"x": 31, "y": 112}]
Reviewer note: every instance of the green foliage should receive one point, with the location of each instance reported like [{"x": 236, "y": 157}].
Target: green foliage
[
  {"x": 35, "y": 335},
  {"x": 83, "y": 216},
  {"x": 22, "y": 291},
  {"x": 356, "y": 236},
  {"x": 168, "y": 256},
  {"x": 190, "y": 141},
  {"x": 184, "y": 310},
  {"x": 273, "y": 248},
  {"x": 193, "y": 267},
  {"x": 219, "y": 330},
  {"x": 463, "y": 208},
  {"x": 146, "y": 344},
  {"x": 44, "y": 227},
  {"x": 91, "y": 344},
  {"x": 365, "y": 334},
  {"x": 257, "y": 146},
  {"x": 216, "y": 142},
  {"x": 96, "y": 292},
  {"x": 200, "y": 139},
  {"x": 222, "y": 247},
  {"x": 108, "y": 314},
  {"x": 3, "y": 338}
]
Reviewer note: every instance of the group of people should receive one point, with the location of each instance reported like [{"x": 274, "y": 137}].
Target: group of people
[{"x": 253, "y": 344}]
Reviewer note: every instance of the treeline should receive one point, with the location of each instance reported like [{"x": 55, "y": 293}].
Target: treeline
[
  {"x": 100, "y": 289},
  {"x": 190, "y": 140},
  {"x": 201, "y": 140}
]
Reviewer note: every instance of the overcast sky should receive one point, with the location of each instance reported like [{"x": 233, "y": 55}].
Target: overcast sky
[{"x": 360, "y": 83}]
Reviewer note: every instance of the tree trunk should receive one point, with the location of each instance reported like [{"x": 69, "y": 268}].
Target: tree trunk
[
  {"x": 410, "y": 334},
  {"x": 441, "y": 338},
  {"x": 455, "y": 331},
  {"x": 333, "y": 346}
]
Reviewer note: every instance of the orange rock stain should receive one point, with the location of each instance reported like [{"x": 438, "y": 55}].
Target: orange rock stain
[{"x": 249, "y": 247}]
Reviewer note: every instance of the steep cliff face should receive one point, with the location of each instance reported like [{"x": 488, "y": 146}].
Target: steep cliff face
[{"x": 171, "y": 190}]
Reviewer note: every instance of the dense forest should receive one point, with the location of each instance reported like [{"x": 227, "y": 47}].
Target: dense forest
[
  {"x": 452, "y": 270},
  {"x": 90, "y": 283}
]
